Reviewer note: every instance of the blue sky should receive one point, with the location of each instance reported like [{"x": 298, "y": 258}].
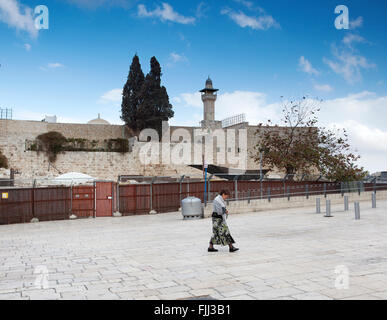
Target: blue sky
[{"x": 255, "y": 52}]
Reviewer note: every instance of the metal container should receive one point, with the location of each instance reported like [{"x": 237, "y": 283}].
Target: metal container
[{"x": 192, "y": 208}]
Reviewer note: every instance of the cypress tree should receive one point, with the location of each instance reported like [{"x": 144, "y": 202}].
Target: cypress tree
[
  {"x": 131, "y": 98},
  {"x": 155, "y": 106}
]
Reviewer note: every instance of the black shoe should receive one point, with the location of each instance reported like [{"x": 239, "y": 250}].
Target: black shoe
[
  {"x": 233, "y": 249},
  {"x": 212, "y": 250}
]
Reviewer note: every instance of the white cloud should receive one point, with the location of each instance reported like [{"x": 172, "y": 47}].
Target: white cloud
[
  {"x": 93, "y": 4},
  {"x": 55, "y": 65},
  {"x": 177, "y": 57},
  {"x": 201, "y": 10},
  {"x": 246, "y": 3},
  {"x": 307, "y": 67},
  {"x": 363, "y": 137},
  {"x": 357, "y": 23},
  {"x": 190, "y": 99},
  {"x": 359, "y": 106},
  {"x": 352, "y": 38},
  {"x": 18, "y": 16},
  {"x": 27, "y": 46},
  {"x": 166, "y": 13},
  {"x": 253, "y": 104},
  {"x": 250, "y": 5},
  {"x": 52, "y": 65},
  {"x": 114, "y": 95},
  {"x": 262, "y": 22},
  {"x": 362, "y": 114},
  {"x": 323, "y": 87},
  {"x": 348, "y": 64}
]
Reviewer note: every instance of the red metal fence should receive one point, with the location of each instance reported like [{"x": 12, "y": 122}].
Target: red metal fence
[
  {"x": 83, "y": 201},
  {"x": 166, "y": 197},
  {"x": 45, "y": 204},
  {"x": 58, "y": 203}
]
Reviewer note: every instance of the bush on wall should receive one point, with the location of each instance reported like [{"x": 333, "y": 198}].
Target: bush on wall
[
  {"x": 3, "y": 161},
  {"x": 118, "y": 145},
  {"x": 52, "y": 143}
]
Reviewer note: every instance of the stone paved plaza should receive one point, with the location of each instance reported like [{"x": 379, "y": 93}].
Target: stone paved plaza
[{"x": 285, "y": 254}]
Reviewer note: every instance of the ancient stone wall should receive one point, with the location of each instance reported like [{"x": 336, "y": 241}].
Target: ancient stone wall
[{"x": 102, "y": 165}]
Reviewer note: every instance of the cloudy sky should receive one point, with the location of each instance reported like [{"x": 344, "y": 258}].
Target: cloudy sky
[{"x": 255, "y": 52}]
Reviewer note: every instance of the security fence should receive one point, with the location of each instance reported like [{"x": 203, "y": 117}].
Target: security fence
[
  {"x": 18, "y": 205},
  {"x": 25, "y": 200}
]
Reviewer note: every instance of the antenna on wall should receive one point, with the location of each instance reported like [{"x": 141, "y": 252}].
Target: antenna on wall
[{"x": 5, "y": 114}]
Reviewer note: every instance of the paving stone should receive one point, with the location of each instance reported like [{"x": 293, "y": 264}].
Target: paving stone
[
  {"x": 285, "y": 254},
  {"x": 10, "y": 296}
]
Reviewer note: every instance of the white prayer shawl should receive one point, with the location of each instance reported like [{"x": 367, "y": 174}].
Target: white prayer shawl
[{"x": 219, "y": 206}]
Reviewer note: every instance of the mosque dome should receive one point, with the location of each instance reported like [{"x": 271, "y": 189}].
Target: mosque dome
[
  {"x": 209, "y": 83},
  {"x": 98, "y": 121},
  {"x": 209, "y": 87}
]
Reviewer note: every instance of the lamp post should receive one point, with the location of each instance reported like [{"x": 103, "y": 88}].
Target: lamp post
[
  {"x": 260, "y": 171},
  {"x": 205, "y": 183}
]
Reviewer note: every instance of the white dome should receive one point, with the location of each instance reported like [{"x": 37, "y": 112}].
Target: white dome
[{"x": 98, "y": 121}]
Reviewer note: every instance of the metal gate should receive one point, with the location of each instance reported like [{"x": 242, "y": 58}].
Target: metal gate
[{"x": 104, "y": 199}]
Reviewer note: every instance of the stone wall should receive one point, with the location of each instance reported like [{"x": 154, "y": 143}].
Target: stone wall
[{"x": 102, "y": 165}]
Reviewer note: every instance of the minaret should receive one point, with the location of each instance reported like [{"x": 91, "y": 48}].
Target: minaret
[{"x": 209, "y": 97}]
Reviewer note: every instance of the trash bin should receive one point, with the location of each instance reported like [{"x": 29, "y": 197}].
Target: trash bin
[{"x": 192, "y": 208}]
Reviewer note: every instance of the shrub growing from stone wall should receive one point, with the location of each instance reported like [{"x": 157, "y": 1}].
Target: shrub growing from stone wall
[
  {"x": 3, "y": 161},
  {"x": 54, "y": 143}
]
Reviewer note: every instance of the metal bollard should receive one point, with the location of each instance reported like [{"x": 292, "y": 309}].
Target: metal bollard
[
  {"x": 328, "y": 209},
  {"x": 373, "y": 200},
  {"x": 357, "y": 211},
  {"x": 318, "y": 205},
  {"x": 346, "y": 205}
]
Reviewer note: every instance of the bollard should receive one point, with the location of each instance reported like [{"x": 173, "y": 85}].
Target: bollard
[
  {"x": 318, "y": 205},
  {"x": 346, "y": 206},
  {"x": 373, "y": 200},
  {"x": 307, "y": 191},
  {"x": 328, "y": 209},
  {"x": 325, "y": 190},
  {"x": 357, "y": 211},
  {"x": 268, "y": 194},
  {"x": 249, "y": 195}
]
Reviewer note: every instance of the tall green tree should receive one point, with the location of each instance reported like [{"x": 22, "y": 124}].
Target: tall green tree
[
  {"x": 131, "y": 95},
  {"x": 145, "y": 103},
  {"x": 155, "y": 106}
]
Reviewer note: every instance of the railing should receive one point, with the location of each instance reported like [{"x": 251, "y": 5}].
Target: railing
[
  {"x": 166, "y": 197},
  {"x": 47, "y": 202}
]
